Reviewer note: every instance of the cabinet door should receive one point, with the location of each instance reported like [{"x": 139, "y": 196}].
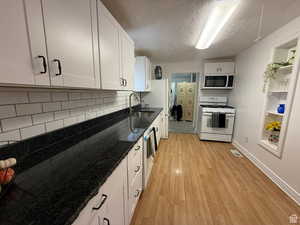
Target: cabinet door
[
  {"x": 211, "y": 68},
  {"x": 127, "y": 60},
  {"x": 37, "y": 41},
  {"x": 148, "y": 74},
  {"x": 70, "y": 41},
  {"x": 17, "y": 64},
  {"x": 227, "y": 68},
  {"x": 115, "y": 213},
  {"x": 140, "y": 80},
  {"x": 109, "y": 49},
  {"x": 219, "y": 68}
]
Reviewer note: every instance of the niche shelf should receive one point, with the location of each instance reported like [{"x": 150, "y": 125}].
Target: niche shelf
[
  {"x": 280, "y": 91},
  {"x": 275, "y": 113}
]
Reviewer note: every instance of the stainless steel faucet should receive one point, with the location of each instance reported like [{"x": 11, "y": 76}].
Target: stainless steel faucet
[{"x": 130, "y": 103}]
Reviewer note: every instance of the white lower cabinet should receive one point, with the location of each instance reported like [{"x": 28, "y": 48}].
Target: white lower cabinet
[
  {"x": 117, "y": 198},
  {"x": 135, "y": 177},
  {"x": 107, "y": 207}
]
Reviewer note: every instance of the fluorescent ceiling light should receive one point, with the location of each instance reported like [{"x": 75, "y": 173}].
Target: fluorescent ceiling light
[{"x": 221, "y": 13}]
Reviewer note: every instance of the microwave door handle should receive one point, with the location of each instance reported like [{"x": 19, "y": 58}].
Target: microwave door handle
[{"x": 227, "y": 80}]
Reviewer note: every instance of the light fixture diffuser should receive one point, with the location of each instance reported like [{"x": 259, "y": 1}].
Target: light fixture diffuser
[{"x": 221, "y": 13}]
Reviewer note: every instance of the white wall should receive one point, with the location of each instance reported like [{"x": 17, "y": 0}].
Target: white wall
[
  {"x": 249, "y": 98},
  {"x": 27, "y": 112},
  {"x": 189, "y": 67}
]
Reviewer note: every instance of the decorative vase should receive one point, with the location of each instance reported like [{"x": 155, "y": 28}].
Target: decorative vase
[
  {"x": 281, "y": 108},
  {"x": 158, "y": 73},
  {"x": 274, "y": 136}
]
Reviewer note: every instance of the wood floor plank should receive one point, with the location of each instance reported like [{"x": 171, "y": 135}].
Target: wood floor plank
[{"x": 195, "y": 182}]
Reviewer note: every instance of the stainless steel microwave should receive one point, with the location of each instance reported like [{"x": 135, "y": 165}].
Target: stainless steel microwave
[{"x": 217, "y": 81}]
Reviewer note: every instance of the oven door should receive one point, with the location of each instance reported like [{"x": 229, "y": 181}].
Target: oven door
[
  {"x": 206, "y": 124},
  {"x": 217, "y": 82}
]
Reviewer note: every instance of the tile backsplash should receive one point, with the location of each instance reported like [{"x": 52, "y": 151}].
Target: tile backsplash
[{"x": 25, "y": 113}]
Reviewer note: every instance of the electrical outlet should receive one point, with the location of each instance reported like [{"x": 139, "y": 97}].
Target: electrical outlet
[{"x": 246, "y": 139}]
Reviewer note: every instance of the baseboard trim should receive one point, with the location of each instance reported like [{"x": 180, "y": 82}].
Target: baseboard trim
[{"x": 292, "y": 193}]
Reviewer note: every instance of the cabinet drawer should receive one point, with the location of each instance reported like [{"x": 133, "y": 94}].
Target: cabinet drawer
[
  {"x": 94, "y": 207},
  {"x": 180, "y": 100},
  {"x": 190, "y": 89},
  {"x": 188, "y": 114},
  {"x": 135, "y": 191},
  {"x": 136, "y": 150},
  {"x": 135, "y": 166},
  {"x": 181, "y": 89},
  {"x": 189, "y": 102}
]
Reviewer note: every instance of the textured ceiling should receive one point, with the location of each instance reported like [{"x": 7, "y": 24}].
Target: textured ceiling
[{"x": 167, "y": 30}]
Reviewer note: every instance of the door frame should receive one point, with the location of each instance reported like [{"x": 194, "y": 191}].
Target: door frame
[{"x": 197, "y": 82}]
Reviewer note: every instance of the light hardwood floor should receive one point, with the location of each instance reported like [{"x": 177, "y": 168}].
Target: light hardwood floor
[{"x": 202, "y": 183}]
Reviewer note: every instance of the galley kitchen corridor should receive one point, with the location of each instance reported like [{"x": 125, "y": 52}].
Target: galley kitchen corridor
[{"x": 196, "y": 182}]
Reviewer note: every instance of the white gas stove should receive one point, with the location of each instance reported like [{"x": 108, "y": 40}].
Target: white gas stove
[{"x": 216, "y": 119}]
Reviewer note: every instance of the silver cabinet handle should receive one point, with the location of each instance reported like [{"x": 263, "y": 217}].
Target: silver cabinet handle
[
  {"x": 125, "y": 82},
  {"x": 137, "y": 148},
  {"x": 137, "y": 193},
  {"x": 121, "y": 81},
  {"x": 137, "y": 169}
]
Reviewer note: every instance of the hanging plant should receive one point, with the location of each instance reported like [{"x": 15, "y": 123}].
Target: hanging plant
[{"x": 271, "y": 71}]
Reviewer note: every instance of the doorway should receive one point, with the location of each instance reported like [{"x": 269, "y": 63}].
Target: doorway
[{"x": 183, "y": 92}]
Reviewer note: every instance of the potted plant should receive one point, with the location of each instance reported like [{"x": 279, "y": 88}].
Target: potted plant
[
  {"x": 274, "y": 128},
  {"x": 271, "y": 71}
]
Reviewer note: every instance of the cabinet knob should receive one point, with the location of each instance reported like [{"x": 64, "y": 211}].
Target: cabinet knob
[
  {"x": 137, "y": 148},
  {"x": 125, "y": 82}
]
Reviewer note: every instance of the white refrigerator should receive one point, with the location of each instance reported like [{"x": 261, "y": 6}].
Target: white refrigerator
[{"x": 158, "y": 97}]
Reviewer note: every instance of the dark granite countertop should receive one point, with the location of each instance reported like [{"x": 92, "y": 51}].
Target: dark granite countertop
[{"x": 59, "y": 172}]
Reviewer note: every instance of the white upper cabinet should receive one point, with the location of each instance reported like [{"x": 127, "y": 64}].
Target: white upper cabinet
[
  {"x": 69, "y": 28},
  {"x": 23, "y": 60},
  {"x": 142, "y": 74},
  {"x": 127, "y": 60},
  {"x": 219, "y": 68},
  {"x": 109, "y": 49},
  {"x": 67, "y": 34},
  {"x": 116, "y": 53},
  {"x": 64, "y": 43}
]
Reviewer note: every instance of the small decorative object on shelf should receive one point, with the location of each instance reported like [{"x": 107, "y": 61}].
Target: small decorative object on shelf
[
  {"x": 281, "y": 108},
  {"x": 271, "y": 71},
  {"x": 274, "y": 128},
  {"x": 158, "y": 73},
  {"x": 292, "y": 56}
]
